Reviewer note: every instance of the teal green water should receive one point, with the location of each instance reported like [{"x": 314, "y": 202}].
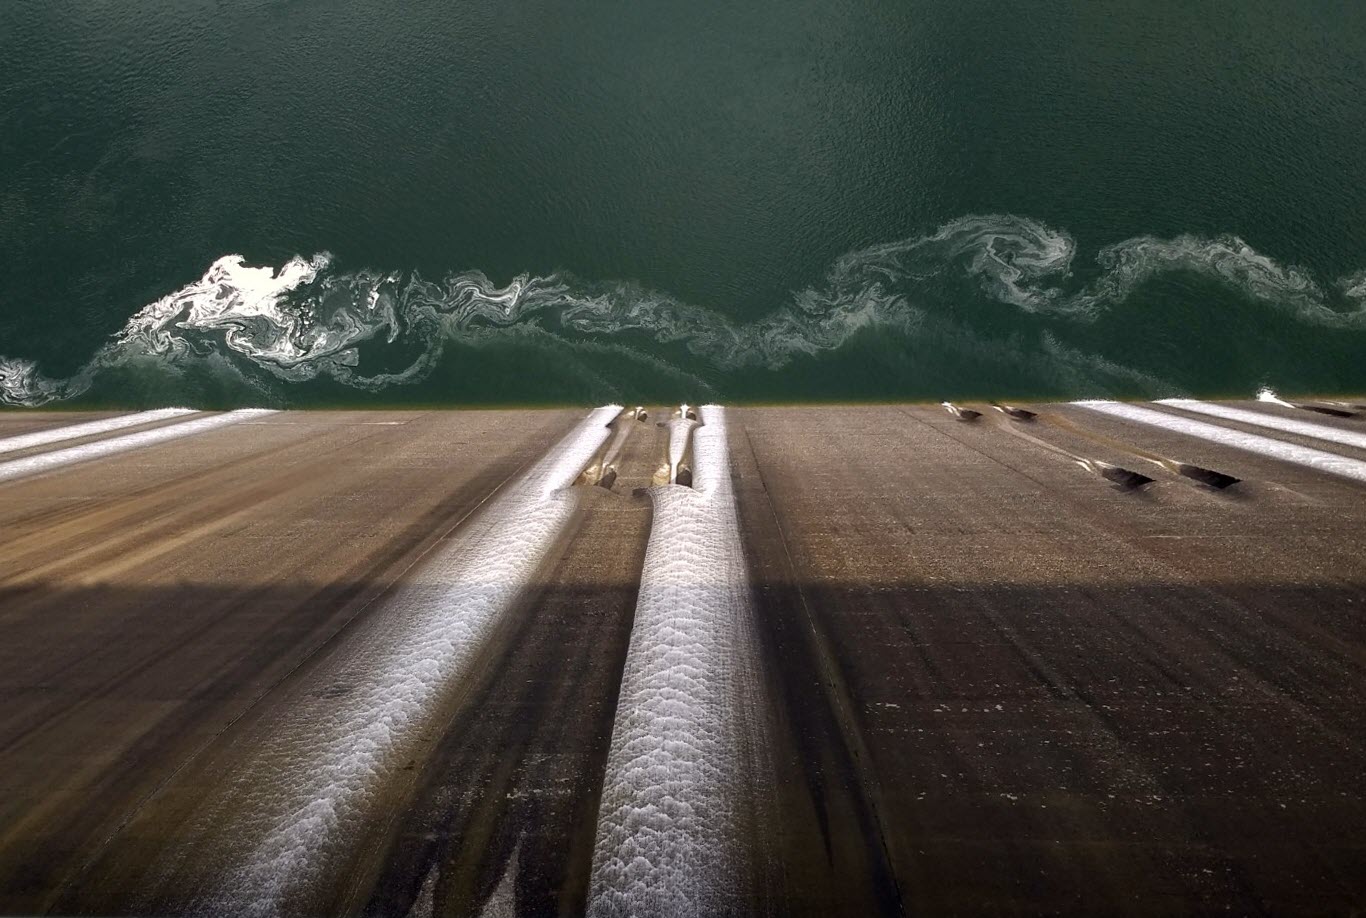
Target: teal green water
[{"x": 347, "y": 203}]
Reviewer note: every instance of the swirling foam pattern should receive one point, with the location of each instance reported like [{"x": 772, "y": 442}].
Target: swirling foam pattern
[
  {"x": 679, "y": 785},
  {"x": 299, "y": 804},
  {"x": 369, "y": 331}
]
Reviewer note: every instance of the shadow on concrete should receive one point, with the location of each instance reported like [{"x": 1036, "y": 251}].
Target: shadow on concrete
[{"x": 959, "y": 747}]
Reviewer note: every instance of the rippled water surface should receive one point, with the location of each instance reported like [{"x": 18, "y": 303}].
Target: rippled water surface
[{"x": 335, "y": 203}]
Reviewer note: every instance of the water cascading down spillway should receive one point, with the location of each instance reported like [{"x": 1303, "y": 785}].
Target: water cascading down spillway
[
  {"x": 289, "y": 822},
  {"x": 680, "y": 793}
]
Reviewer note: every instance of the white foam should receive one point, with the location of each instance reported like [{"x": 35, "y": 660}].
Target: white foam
[
  {"x": 370, "y": 330},
  {"x": 619, "y": 435},
  {"x": 679, "y": 430},
  {"x": 1252, "y": 443},
  {"x": 88, "y": 429},
  {"x": 1275, "y": 422},
  {"x": 42, "y": 462},
  {"x": 678, "y": 786},
  {"x": 299, "y": 804}
]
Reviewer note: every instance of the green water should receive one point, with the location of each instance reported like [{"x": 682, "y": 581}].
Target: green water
[{"x": 757, "y": 201}]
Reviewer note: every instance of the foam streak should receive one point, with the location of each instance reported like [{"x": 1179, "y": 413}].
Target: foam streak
[
  {"x": 1252, "y": 443},
  {"x": 1275, "y": 422},
  {"x": 30, "y": 465},
  {"x": 261, "y": 329},
  {"x": 679, "y": 784},
  {"x": 680, "y": 429},
  {"x": 301, "y": 803},
  {"x": 88, "y": 429}
]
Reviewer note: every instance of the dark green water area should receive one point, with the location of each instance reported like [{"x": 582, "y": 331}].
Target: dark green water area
[{"x": 356, "y": 203}]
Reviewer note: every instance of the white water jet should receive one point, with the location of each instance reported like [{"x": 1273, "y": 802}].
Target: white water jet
[
  {"x": 42, "y": 462},
  {"x": 1252, "y": 443},
  {"x": 1272, "y": 421},
  {"x": 300, "y": 803},
  {"x": 89, "y": 429},
  {"x": 680, "y": 428},
  {"x": 679, "y": 791}
]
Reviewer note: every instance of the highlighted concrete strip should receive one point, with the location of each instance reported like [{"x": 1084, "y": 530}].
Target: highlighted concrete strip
[
  {"x": 30, "y": 465},
  {"x": 1252, "y": 443},
  {"x": 1257, "y": 419},
  {"x": 603, "y": 470},
  {"x": 299, "y": 806},
  {"x": 1208, "y": 477},
  {"x": 680, "y": 429},
  {"x": 678, "y": 790},
  {"x": 89, "y": 429},
  {"x": 1127, "y": 479}
]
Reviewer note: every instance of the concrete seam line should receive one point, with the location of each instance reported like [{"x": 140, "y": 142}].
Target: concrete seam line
[
  {"x": 88, "y": 429},
  {"x": 1275, "y": 422},
  {"x": 293, "y": 810},
  {"x": 671, "y": 824},
  {"x": 1253, "y": 443},
  {"x": 42, "y": 462}
]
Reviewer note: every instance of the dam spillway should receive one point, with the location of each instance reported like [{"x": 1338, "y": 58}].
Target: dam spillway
[{"x": 922, "y": 664}]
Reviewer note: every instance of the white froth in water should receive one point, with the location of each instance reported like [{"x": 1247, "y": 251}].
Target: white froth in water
[
  {"x": 370, "y": 330},
  {"x": 1253, "y": 443},
  {"x": 298, "y": 806},
  {"x": 678, "y": 789}
]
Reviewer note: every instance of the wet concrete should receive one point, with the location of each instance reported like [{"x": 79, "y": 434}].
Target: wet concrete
[{"x": 996, "y": 682}]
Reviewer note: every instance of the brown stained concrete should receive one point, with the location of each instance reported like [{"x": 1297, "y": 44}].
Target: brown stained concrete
[
  {"x": 506, "y": 808},
  {"x": 996, "y": 682},
  {"x": 501, "y": 794},
  {"x": 1073, "y": 698},
  {"x": 150, "y": 599}
]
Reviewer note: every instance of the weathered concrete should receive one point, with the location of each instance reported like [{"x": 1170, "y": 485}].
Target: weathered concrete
[
  {"x": 1074, "y": 698},
  {"x": 153, "y": 598},
  {"x": 996, "y": 681}
]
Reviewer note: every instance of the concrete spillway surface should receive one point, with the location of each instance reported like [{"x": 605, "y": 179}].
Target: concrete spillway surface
[{"x": 869, "y": 660}]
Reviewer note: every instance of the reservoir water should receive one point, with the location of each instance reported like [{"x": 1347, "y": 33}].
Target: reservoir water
[{"x": 303, "y": 203}]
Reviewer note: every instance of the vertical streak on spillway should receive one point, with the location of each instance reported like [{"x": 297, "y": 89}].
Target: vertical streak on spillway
[
  {"x": 303, "y": 801},
  {"x": 677, "y": 801},
  {"x": 89, "y": 428},
  {"x": 42, "y": 462},
  {"x": 679, "y": 430},
  {"x": 1252, "y": 443},
  {"x": 1274, "y": 422}
]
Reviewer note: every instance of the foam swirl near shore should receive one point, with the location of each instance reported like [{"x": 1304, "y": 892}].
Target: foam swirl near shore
[{"x": 369, "y": 331}]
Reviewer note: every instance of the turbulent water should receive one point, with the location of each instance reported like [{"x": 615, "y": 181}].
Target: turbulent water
[
  {"x": 521, "y": 203},
  {"x": 252, "y": 331}
]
